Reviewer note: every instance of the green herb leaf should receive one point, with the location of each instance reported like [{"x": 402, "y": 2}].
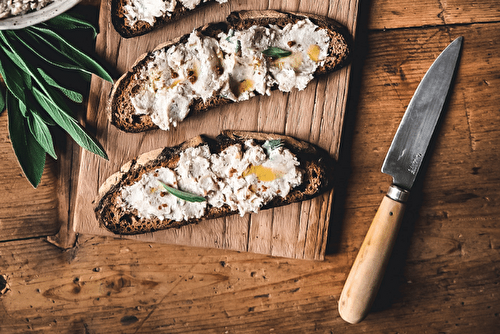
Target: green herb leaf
[
  {"x": 23, "y": 108},
  {"x": 71, "y": 94},
  {"x": 26, "y": 69},
  {"x": 56, "y": 108},
  {"x": 275, "y": 52},
  {"x": 15, "y": 79},
  {"x": 19, "y": 61},
  {"x": 29, "y": 153},
  {"x": 59, "y": 112},
  {"x": 11, "y": 50},
  {"x": 60, "y": 45},
  {"x": 183, "y": 195},
  {"x": 271, "y": 145},
  {"x": 44, "y": 116},
  {"x": 229, "y": 35},
  {"x": 30, "y": 59},
  {"x": 41, "y": 133},
  {"x": 67, "y": 21},
  {"x": 2, "y": 99},
  {"x": 36, "y": 43}
]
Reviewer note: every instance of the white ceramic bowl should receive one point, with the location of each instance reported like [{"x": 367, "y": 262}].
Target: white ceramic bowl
[{"x": 46, "y": 13}]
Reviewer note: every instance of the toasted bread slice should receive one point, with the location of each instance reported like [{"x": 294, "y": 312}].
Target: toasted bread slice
[
  {"x": 315, "y": 164},
  {"x": 122, "y": 112},
  {"x": 127, "y": 28}
]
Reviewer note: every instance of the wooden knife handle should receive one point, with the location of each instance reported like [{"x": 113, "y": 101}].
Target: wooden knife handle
[{"x": 369, "y": 266}]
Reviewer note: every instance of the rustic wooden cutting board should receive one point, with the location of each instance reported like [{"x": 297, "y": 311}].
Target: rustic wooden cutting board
[{"x": 315, "y": 114}]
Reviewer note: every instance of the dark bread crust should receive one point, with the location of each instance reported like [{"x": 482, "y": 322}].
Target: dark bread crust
[
  {"x": 121, "y": 110},
  {"x": 140, "y": 28},
  {"x": 317, "y": 166}
]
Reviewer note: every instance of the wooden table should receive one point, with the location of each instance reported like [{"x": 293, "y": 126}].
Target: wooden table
[{"x": 443, "y": 277}]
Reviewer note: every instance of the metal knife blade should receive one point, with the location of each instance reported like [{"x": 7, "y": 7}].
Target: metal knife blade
[
  {"x": 412, "y": 138},
  {"x": 402, "y": 162}
]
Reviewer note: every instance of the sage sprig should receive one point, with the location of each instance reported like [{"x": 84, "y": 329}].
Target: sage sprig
[
  {"x": 33, "y": 62},
  {"x": 275, "y": 52},
  {"x": 188, "y": 197},
  {"x": 271, "y": 145}
]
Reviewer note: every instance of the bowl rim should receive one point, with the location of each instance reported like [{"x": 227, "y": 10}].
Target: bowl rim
[{"x": 53, "y": 9}]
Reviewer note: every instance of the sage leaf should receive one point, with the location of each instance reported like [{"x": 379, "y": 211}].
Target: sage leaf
[
  {"x": 41, "y": 133},
  {"x": 12, "y": 52},
  {"x": 229, "y": 35},
  {"x": 271, "y": 145},
  {"x": 59, "y": 112},
  {"x": 2, "y": 100},
  {"x": 275, "y": 52},
  {"x": 11, "y": 74},
  {"x": 29, "y": 153},
  {"x": 15, "y": 79},
  {"x": 60, "y": 45},
  {"x": 71, "y": 94},
  {"x": 20, "y": 62},
  {"x": 30, "y": 60},
  {"x": 27, "y": 68},
  {"x": 23, "y": 108},
  {"x": 36, "y": 44},
  {"x": 66, "y": 21},
  {"x": 188, "y": 197},
  {"x": 42, "y": 114}
]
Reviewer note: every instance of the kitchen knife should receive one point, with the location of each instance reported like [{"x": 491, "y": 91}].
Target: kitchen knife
[{"x": 402, "y": 162}]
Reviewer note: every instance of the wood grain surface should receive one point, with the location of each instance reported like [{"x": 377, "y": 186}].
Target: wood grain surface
[
  {"x": 315, "y": 114},
  {"x": 443, "y": 276}
]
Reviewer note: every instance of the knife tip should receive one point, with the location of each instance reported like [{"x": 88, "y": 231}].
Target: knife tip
[
  {"x": 456, "y": 45},
  {"x": 459, "y": 40}
]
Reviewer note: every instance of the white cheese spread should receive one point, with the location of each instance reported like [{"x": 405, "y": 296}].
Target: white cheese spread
[
  {"x": 148, "y": 10},
  {"x": 233, "y": 66},
  {"x": 179, "y": 75},
  {"x": 19, "y": 7},
  {"x": 244, "y": 179}
]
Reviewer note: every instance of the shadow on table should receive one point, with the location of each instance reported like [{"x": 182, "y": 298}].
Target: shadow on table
[{"x": 343, "y": 168}]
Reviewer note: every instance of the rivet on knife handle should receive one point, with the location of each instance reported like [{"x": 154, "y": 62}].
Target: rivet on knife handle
[{"x": 368, "y": 269}]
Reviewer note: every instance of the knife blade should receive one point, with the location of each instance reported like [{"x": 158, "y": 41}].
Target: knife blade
[{"x": 402, "y": 162}]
